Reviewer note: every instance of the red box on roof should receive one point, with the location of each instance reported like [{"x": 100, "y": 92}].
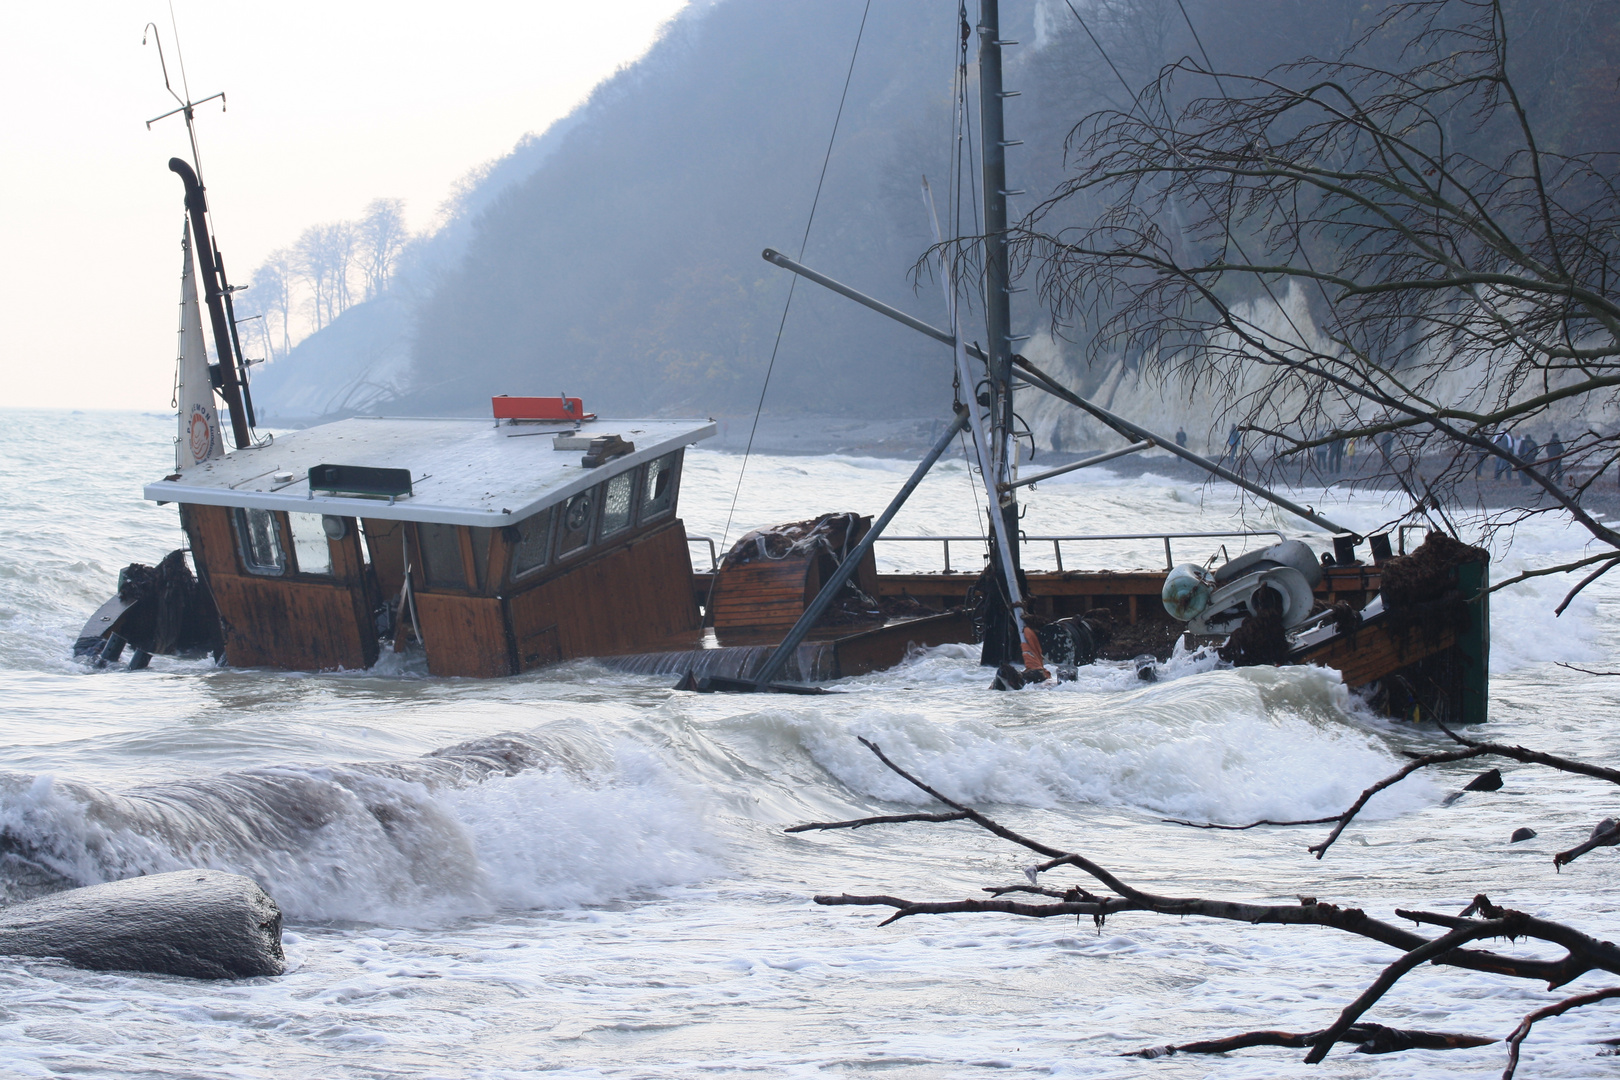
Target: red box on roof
[{"x": 538, "y": 408}]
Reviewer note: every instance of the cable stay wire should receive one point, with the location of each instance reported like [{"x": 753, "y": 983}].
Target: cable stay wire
[{"x": 794, "y": 278}]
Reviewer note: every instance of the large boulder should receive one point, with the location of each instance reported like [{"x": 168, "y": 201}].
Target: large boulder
[{"x": 203, "y": 924}]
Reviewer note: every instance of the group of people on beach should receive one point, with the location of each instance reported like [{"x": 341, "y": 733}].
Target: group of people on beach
[
  {"x": 1332, "y": 452},
  {"x": 1525, "y": 448}
]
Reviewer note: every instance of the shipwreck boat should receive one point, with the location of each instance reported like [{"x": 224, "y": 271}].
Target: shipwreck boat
[{"x": 543, "y": 533}]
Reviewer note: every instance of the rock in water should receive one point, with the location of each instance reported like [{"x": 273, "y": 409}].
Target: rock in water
[
  {"x": 203, "y": 924},
  {"x": 1522, "y": 834}
]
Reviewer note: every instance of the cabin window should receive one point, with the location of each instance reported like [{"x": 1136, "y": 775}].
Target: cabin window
[
  {"x": 309, "y": 544},
  {"x": 258, "y": 537},
  {"x": 533, "y": 544},
  {"x": 578, "y": 515},
  {"x": 658, "y": 490},
  {"x": 441, "y": 555},
  {"x": 621, "y": 491}
]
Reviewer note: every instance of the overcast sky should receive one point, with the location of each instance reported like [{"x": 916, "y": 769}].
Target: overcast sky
[{"x": 331, "y": 104}]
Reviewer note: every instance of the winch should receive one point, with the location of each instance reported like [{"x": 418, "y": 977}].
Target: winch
[{"x": 1217, "y": 602}]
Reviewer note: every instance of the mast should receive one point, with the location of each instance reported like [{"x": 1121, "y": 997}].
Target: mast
[
  {"x": 1003, "y": 634},
  {"x": 215, "y": 292},
  {"x": 230, "y": 376},
  {"x": 997, "y": 300}
]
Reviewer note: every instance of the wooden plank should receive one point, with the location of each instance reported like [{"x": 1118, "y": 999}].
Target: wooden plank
[
  {"x": 348, "y": 564},
  {"x": 500, "y": 560},
  {"x": 762, "y": 597},
  {"x": 1374, "y": 652},
  {"x": 469, "y": 562},
  {"x": 386, "y": 545},
  {"x": 623, "y": 600},
  {"x": 297, "y": 625},
  {"x": 213, "y": 540},
  {"x": 464, "y": 635}
]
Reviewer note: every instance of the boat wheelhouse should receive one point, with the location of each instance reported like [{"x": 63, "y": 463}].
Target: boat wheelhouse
[{"x": 500, "y": 545}]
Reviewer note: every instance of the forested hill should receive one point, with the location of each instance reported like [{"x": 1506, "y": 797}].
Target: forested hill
[
  {"x": 628, "y": 269},
  {"x": 623, "y": 264}
]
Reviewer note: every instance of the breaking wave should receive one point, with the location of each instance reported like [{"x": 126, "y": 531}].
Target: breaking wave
[
  {"x": 553, "y": 819},
  {"x": 1218, "y": 745}
]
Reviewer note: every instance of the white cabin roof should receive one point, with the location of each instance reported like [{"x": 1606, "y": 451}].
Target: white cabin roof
[{"x": 463, "y": 471}]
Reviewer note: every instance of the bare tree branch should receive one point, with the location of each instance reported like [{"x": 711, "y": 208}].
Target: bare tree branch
[
  {"x": 1370, "y": 1039},
  {"x": 1325, "y": 251},
  {"x": 1481, "y": 919},
  {"x": 1517, "y": 1038}
]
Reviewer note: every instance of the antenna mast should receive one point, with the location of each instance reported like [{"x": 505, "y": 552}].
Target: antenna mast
[{"x": 230, "y": 373}]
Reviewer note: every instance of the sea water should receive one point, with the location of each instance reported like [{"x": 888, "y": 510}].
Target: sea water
[{"x": 627, "y": 903}]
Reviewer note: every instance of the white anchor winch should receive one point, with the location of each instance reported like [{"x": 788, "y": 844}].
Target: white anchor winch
[{"x": 1217, "y": 602}]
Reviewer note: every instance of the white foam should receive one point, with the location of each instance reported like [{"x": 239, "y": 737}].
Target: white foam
[
  {"x": 548, "y": 840},
  {"x": 1214, "y": 745},
  {"x": 350, "y": 844}
]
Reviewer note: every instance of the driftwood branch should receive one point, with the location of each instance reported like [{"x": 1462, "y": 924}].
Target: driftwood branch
[
  {"x": 1250, "y": 825},
  {"x": 1606, "y": 834},
  {"x": 1481, "y": 919},
  {"x": 1343, "y": 820},
  {"x": 1369, "y": 1039},
  {"x": 1536, "y": 757},
  {"x": 1386, "y": 981},
  {"x": 885, "y": 819},
  {"x": 1601, "y": 837},
  {"x": 1585, "y": 671},
  {"x": 1423, "y": 762},
  {"x": 1558, "y": 1009}
]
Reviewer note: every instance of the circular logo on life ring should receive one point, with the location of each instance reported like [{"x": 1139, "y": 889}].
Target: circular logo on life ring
[{"x": 202, "y": 434}]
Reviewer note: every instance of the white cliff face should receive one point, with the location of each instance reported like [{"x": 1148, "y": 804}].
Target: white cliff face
[
  {"x": 357, "y": 364},
  {"x": 1205, "y": 407}
]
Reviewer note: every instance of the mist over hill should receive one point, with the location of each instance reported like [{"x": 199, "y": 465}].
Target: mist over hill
[
  {"x": 617, "y": 255},
  {"x": 625, "y": 265}
]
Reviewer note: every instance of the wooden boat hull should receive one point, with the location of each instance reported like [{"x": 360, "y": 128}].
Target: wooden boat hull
[{"x": 636, "y": 602}]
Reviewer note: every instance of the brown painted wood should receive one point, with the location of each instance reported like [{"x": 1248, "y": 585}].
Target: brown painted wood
[
  {"x": 624, "y": 600},
  {"x": 297, "y": 625},
  {"x": 763, "y": 597},
  {"x": 213, "y": 540},
  {"x": 469, "y": 563},
  {"x": 385, "y": 543},
  {"x": 464, "y": 635},
  {"x": 348, "y": 564},
  {"x": 1375, "y": 652},
  {"x": 500, "y": 560}
]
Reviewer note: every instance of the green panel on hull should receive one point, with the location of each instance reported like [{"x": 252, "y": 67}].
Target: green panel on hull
[{"x": 1474, "y": 581}]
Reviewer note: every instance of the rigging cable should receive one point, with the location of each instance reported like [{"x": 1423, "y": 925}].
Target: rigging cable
[
  {"x": 794, "y": 279},
  {"x": 962, "y": 129}
]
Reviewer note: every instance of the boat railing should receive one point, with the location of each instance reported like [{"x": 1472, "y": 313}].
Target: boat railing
[
  {"x": 714, "y": 554},
  {"x": 1057, "y": 542},
  {"x": 1403, "y": 529}
]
